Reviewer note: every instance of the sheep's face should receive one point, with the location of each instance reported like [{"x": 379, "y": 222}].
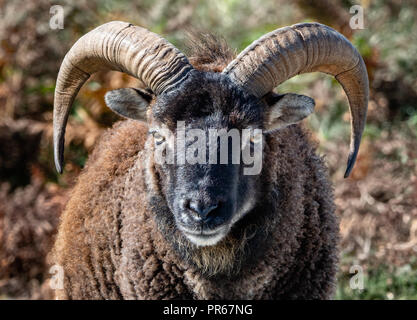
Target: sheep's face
[{"x": 206, "y": 145}]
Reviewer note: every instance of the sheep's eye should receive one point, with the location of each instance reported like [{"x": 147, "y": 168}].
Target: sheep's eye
[
  {"x": 158, "y": 138},
  {"x": 257, "y": 138}
]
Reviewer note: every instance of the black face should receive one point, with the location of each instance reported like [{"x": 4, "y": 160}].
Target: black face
[
  {"x": 206, "y": 145},
  {"x": 210, "y": 183}
]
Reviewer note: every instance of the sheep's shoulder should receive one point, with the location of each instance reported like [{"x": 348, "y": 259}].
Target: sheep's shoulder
[{"x": 88, "y": 243}]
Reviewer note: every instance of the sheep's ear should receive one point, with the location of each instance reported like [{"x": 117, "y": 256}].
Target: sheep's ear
[
  {"x": 129, "y": 102},
  {"x": 286, "y": 109}
]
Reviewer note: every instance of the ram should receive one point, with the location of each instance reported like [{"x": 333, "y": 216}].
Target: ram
[{"x": 140, "y": 228}]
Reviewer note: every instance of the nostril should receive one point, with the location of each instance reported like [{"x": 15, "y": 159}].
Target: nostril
[
  {"x": 194, "y": 206},
  {"x": 203, "y": 211}
]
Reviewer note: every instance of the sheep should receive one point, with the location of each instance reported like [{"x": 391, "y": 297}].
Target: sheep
[{"x": 139, "y": 228}]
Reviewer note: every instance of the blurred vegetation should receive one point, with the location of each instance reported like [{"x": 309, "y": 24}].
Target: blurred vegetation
[
  {"x": 377, "y": 205},
  {"x": 382, "y": 283}
]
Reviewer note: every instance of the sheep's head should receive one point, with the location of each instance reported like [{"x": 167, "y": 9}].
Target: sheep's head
[
  {"x": 209, "y": 189},
  {"x": 217, "y": 128}
]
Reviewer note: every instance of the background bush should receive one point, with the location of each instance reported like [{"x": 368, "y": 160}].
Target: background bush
[{"x": 377, "y": 205}]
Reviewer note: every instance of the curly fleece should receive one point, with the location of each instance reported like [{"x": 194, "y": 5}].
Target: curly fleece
[{"x": 111, "y": 248}]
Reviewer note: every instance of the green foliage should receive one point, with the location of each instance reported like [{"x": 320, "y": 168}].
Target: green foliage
[
  {"x": 381, "y": 283},
  {"x": 391, "y": 28}
]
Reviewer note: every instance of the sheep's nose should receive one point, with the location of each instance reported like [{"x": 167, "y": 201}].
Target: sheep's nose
[{"x": 201, "y": 211}]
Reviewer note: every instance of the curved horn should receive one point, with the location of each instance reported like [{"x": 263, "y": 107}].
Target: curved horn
[
  {"x": 307, "y": 47},
  {"x": 116, "y": 46}
]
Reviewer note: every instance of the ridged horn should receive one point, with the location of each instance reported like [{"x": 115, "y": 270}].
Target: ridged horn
[
  {"x": 301, "y": 48},
  {"x": 118, "y": 46}
]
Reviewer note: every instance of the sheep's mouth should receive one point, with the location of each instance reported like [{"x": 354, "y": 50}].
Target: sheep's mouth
[{"x": 205, "y": 237}]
